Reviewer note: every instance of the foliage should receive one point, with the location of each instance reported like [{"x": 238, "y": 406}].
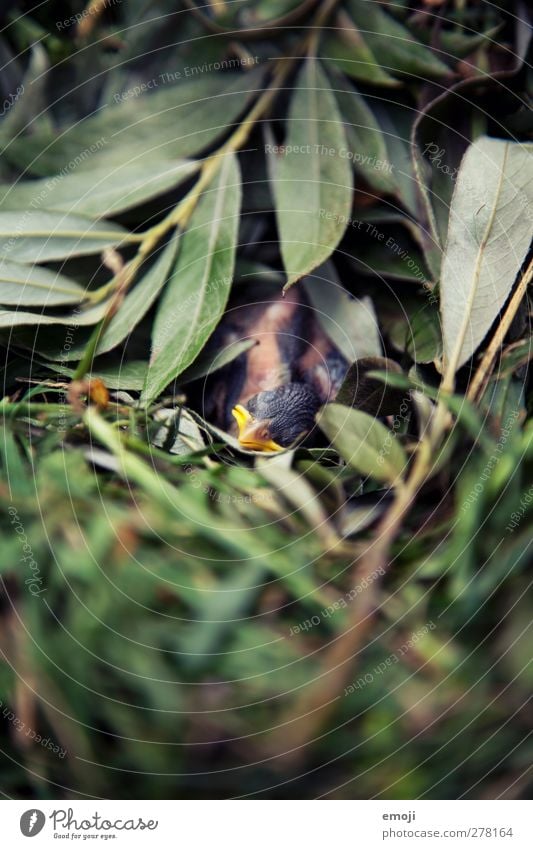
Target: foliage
[{"x": 345, "y": 620}]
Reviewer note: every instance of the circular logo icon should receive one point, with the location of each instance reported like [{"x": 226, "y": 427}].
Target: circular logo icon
[{"x": 32, "y": 822}]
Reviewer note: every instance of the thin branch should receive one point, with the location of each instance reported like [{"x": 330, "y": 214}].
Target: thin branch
[{"x": 477, "y": 386}]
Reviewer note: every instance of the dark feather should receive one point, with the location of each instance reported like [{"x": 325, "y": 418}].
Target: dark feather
[{"x": 285, "y": 377}]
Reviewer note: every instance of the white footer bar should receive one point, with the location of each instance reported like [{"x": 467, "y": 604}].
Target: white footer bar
[{"x": 268, "y": 824}]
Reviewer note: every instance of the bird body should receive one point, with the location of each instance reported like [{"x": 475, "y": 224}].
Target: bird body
[{"x": 269, "y": 395}]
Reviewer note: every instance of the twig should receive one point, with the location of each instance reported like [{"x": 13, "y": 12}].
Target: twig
[
  {"x": 476, "y": 388},
  {"x": 298, "y": 730}
]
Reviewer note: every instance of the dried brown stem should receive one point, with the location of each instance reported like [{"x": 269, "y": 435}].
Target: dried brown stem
[{"x": 477, "y": 386}]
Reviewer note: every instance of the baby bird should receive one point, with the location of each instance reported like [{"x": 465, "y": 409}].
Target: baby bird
[{"x": 268, "y": 397}]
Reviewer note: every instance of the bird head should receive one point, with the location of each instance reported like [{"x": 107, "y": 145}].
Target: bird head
[{"x": 277, "y": 418}]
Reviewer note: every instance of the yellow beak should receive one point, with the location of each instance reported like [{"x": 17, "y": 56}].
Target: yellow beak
[{"x": 252, "y": 432}]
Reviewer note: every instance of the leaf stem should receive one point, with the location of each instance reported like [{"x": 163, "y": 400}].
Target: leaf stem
[{"x": 183, "y": 211}]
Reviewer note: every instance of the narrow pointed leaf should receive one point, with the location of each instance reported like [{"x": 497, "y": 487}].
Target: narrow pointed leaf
[
  {"x": 123, "y": 375},
  {"x": 365, "y": 138},
  {"x": 489, "y": 235},
  {"x": 83, "y": 318},
  {"x": 198, "y": 289},
  {"x": 172, "y": 120},
  {"x": 102, "y": 191},
  {"x": 387, "y": 38},
  {"x": 365, "y": 444},
  {"x": 348, "y": 50},
  {"x": 30, "y": 285},
  {"x": 42, "y": 236},
  {"x": 210, "y": 361},
  {"x": 313, "y": 180},
  {"x": 396, "y": 125},
  {"x": 349, "y": 322},
  {"x": 418, "y": 332},
  {"x": 391, "y": 260}
]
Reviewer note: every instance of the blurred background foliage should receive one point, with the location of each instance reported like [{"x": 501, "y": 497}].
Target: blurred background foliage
[{"x": 164, "y": 649}]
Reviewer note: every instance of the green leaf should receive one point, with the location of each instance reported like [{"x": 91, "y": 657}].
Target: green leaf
[
  {"x": 390, "y": 259},
  {"x": 459, "y": 43},
  {"x": 219, "y": 609},
  {"x": 32, "y": 96},
  {"x": 123, "y": 375},
  {"x": 439, "y": 139},
  {"x": 15, "y": 472},
  {"x": 396, "y": 122},
  {"x": 134, "y": 307},
  {"x": 313, "y": 180},
  {"x": 489, "y": 235},
  {"x": 463, "y": 409},
  {"x": 356, "y": 519},
  {"x": 196, "y": 294},
  {"x": 174, "y": 120},
  {"x": 384, "y": 215},
  {"x": 365, "y": 444},
  {"x": 419, "y": 333},
  {"x": 350, "y": 323},
  {"x": 348, "y": 50},
  {"x": 365, "y": 138},
  {"x": 102, "y": 191},
  {"x": 78, "y": 318},
  {"x": 296, "y": 489},
  {"x": 137, "y": 303},
  {"x": 210, "y": 361},
  {"x": 388, "y": 38},
  {"x": 30, "y": 285},
  {"x": 43, "y": 236}
]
